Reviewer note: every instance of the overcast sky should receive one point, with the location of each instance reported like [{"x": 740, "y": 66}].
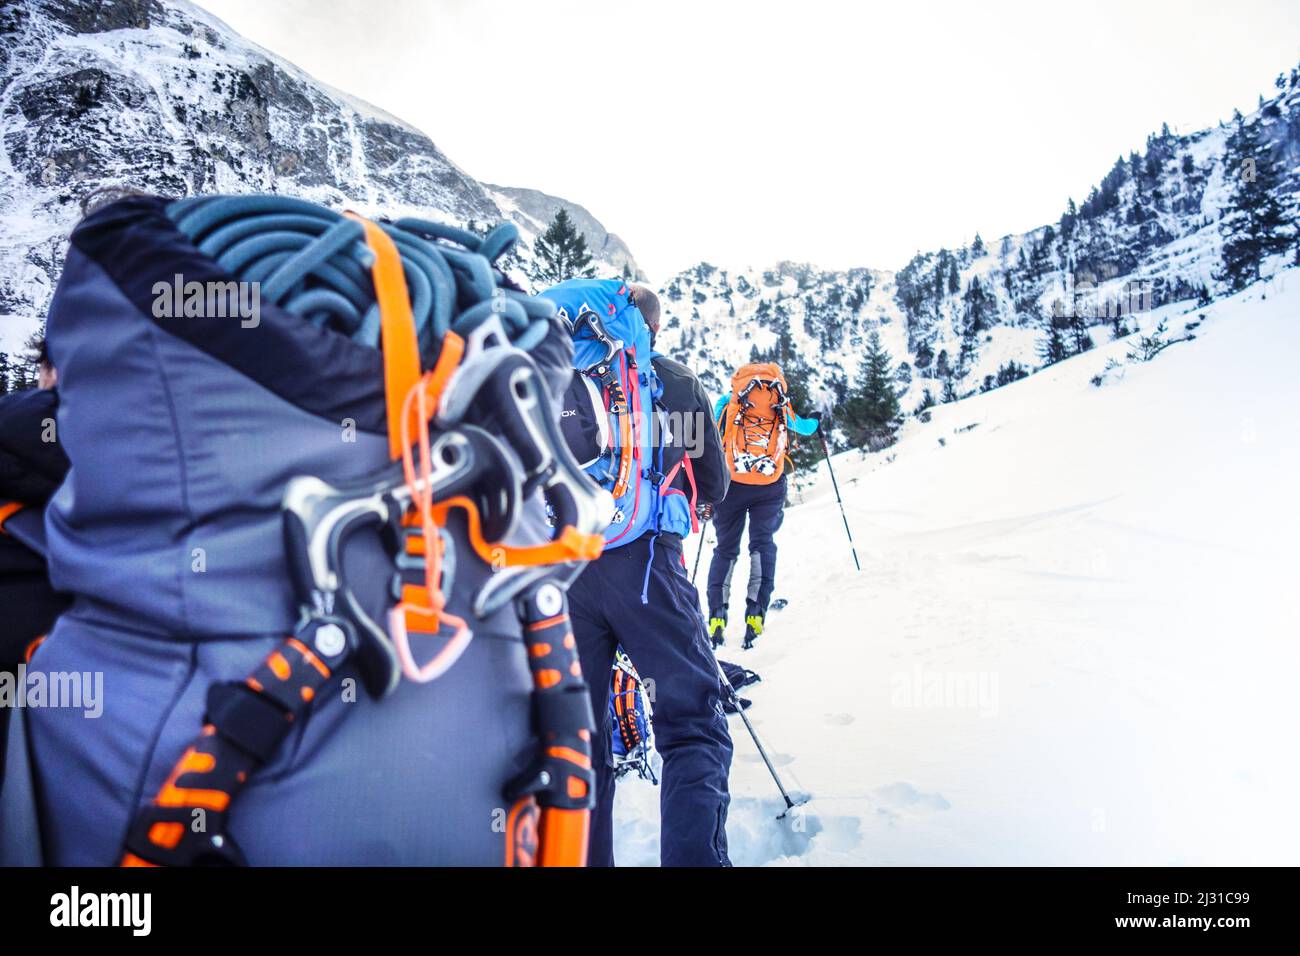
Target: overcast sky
[{"x": 747, "y": 132}]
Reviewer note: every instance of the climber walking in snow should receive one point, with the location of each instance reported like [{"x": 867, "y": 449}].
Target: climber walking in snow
[
  {"x": 637, "y": 594},
  {"x": 754, "y": 421}
]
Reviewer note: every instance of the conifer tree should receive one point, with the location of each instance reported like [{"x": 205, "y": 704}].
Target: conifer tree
[
  {"x": 561, "y": 253},
  {"x": 1254, "y": 224},
  {"x": 1054, "y": 348},
  {"x": 871, "y": 415}
]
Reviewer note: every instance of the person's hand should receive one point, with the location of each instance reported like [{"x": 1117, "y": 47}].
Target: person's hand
[{"x": 704, "y": 510}]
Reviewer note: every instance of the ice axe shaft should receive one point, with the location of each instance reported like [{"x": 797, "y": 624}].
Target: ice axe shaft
[{"x": 838, "y": 500}]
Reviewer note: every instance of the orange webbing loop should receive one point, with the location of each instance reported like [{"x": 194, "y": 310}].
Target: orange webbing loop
[
  {"x": 423, "y": 609},
  {"x": 396, "y": 325},
  {"x": 570, "y": 545},
  {"x": 7, "y": 511}
]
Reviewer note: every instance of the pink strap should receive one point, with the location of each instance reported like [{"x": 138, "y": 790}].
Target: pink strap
[{"x": 690, "y": 480}]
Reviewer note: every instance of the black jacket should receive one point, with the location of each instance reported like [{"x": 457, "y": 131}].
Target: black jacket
[
  {"x": 30, "y": 471},
  {"x": 30, "y": 468},
  {"x": 692, "y": 432}
]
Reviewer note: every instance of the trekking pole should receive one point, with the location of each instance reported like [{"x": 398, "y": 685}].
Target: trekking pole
[
  {"x": 838, "y": 500},
  {"x": 762, "y": 752},
  {"x": 703, "y": 528}
]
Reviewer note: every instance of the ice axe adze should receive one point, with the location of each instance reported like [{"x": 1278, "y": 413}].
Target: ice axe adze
[{"x": 735, "y": 702}]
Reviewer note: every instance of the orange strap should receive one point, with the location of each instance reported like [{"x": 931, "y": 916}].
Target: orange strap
[
  {"x": 396, "y": 324},
  {"x": 31, "y": 648},
  {"x": 625, "y": 438},
  {"x": 422, "y": 610},
  {"x": 571, "y": 545},
  {"x": 7, "y": 511}
]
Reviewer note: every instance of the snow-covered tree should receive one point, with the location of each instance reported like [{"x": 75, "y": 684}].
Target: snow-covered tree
[
  {"x": 871, "y": 415},
  {"x": 1255, "y": 224}
]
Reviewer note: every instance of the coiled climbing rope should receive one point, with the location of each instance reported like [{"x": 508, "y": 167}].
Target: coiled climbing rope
[{"x": 314, "y": 263}]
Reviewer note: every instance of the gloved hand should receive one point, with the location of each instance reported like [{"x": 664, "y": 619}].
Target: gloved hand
[{"x": 704, "y": 510}]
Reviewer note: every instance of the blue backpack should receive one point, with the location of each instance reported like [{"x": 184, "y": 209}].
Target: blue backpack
[{"x": 612, "y": 352}]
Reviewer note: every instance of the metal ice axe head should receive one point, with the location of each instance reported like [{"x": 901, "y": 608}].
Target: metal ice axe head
[
  {"x": 321, "y": 519},
  {"x": 501, "y": 389}
]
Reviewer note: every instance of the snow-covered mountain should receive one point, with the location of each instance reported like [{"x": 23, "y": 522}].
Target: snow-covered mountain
[
  {"x": 161, "y": 95},
  {"x": 952, "y": 320},
  {"x": 533, "y": 211},
  {"x": 158, "y": 94}
]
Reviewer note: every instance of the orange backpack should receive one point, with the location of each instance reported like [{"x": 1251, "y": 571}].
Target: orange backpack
[{"x": 754, "y": 437}]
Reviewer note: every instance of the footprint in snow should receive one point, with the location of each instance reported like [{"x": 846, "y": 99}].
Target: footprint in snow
[
  {"x": 904, "y": 796},
  {"x": 839, "y": 720}
]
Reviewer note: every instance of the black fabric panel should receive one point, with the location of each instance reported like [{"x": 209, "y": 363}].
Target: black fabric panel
[
  {"x": 30, "y": 605},
  {"x": 316, "y": 369},
  {"x": 554, "y": 357},
  {"x": 30, "y": 469},
  {"x": 578, "y": 421},
  {"x": 684, "y": 394}
]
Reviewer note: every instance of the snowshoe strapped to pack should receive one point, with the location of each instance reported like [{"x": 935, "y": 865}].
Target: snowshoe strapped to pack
[
  {"x": 267, "y": 509},
  {"x": 753, "y": 424}
]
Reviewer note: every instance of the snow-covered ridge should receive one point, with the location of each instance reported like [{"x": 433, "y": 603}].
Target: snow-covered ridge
[
  {"x": 1148, "y": 235},
  {"x": 161, "y": 95}
]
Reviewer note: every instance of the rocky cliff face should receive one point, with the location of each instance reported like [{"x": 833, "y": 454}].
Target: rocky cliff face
[
  {"x": 160, "y": 95},
  {"x": 533, "y": 210}
]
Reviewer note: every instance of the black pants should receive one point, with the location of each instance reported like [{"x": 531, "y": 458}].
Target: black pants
[
  {"x": 666, "y": 640},
  {"x": 764, "y": 507}
]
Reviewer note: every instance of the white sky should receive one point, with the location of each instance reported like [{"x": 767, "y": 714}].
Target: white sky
[{"x": 845, "y": 134}]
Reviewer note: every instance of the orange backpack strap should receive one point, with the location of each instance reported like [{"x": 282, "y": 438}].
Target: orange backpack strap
[
  {"x": 396, "y": 325},
  {"x": 7, "y": 511}
]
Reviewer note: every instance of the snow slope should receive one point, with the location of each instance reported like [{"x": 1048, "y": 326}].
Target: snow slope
[{"x": 1074, "y": 636}]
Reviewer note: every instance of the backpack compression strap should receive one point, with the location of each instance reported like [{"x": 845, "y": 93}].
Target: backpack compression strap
[
  {"x": 397, "y": 329},
  {"x": 684, "y": 465},
  {"x": 246, "y": 722}
]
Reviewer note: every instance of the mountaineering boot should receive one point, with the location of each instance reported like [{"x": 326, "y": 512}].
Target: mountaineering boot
[
  {"x": 717, "y": 625},
  {"x": 753, "y": 626}
]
